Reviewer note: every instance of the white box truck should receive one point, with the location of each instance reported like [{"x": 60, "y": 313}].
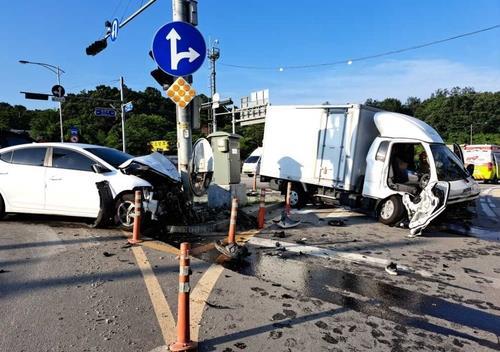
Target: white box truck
[{"x": 391, "y": 163}]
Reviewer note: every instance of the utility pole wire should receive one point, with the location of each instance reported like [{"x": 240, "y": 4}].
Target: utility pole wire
[{"x": 363, "y": 58}]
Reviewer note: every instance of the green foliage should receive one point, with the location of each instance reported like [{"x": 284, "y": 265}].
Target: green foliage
[{"x": 450, "y": 112}]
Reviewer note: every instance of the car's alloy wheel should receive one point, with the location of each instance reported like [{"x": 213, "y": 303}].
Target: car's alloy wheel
[{"x": 125, "y": 210}]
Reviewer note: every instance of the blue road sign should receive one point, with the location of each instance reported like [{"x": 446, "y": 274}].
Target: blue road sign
[
  {"x": 128, "y": 107},
  {"x": 114, "y": 29},
  {"x": 74, "y": 131},
  {"x": 104, "y": 112},
  {"x": 179, "y": 48}
]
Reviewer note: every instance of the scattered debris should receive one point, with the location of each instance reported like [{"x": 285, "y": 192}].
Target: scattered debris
[
  {"x": 336, "y": 222},
  {"x": 285, "y": 222},
  {"x": 212, "y": 305},
  {"x": 231, "y": 250},
  {"x": 392, "y": 268},
  {"x": 279, "y": 234},
  {"x": 107, "y": 254}
]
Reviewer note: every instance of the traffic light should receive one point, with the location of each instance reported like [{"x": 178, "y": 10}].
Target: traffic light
[
  {"x": 96, "y": 47},
  {"x": 36, "y": 96},
  {"x": 163, "y": 79}
]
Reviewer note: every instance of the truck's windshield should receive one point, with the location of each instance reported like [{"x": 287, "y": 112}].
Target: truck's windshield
[{"x": 448, "y": 165}]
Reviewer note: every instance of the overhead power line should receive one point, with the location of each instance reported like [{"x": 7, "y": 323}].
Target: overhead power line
[{"x": 363, "y": 58}]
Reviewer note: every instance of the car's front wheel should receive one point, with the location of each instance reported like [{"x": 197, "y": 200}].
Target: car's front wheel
[{"x": 124, "y": 211}]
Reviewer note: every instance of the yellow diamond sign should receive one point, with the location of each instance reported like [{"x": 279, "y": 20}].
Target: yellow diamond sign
[{"x": 181, "y": 92}]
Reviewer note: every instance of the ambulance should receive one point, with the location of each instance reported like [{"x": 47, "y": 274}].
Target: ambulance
[{"x": 486, "y": 161}]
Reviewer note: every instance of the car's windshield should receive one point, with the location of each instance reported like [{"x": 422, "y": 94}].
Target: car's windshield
[
  {"x": 252, "y": 159},
  {"x": 448, "y": 165},
  {"x": 112, "y": 156}
]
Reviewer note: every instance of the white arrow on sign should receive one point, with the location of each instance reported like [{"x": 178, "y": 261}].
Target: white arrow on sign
[{"x": 191, "y": 54}]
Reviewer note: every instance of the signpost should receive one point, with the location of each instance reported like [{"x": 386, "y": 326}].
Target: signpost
[
  {"x": 179, "y": 48},
  {"x": 74, "y": 134},
  {"x": 105, "y": 112},
  {"x": 115, "y": 25},
  {"x": 129, "y": 107},
  {"x": 58, "y": 91}
]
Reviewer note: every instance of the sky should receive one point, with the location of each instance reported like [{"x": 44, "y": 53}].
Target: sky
[{"x": 260, "y": 33}]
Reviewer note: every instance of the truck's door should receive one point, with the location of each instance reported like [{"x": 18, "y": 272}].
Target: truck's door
[
  {"x": 331, "y": 146},
  {"x": 458, "y": 152},
  {"x": 430, "y": 203}
]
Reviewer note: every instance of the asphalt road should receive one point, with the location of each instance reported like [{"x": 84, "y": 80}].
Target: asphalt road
[{"x": 67, "y": 287}]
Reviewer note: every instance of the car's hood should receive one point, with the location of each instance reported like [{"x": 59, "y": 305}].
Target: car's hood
[{"x": 155, "y": 161}]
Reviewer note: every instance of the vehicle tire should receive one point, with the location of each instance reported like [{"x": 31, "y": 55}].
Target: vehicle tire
[
  {"x": 124, "y": 211},
  {"x": 391, "y": 210},
  {"x": 298, "y": 198},
  {"x": 250, "y": 175},
  {"x": 2, "y": 208}
]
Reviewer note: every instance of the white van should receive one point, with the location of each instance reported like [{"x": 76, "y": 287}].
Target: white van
[{"x": 251, "y": 165}]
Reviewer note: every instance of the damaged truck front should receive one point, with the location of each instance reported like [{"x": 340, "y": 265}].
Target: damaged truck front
[{"x": 391, "y": 163}]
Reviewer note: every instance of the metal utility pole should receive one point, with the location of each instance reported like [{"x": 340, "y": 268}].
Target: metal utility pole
[
  {"x": 180, "y": 12},
  {"x": 122, "y": 105},
  {"x": 213, "y": 55},
  {"x": 57, "y": 70},
  {"x": 233, "y": 119}
]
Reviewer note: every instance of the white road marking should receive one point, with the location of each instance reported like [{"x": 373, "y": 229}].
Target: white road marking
[
  {"x": 200, "y": 295},
  {"x": 160, "y": 305},
  {"x": 333, "y": 254}
]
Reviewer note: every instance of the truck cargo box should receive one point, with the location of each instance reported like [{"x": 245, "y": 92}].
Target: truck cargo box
[{"x": 324, "y": 145}]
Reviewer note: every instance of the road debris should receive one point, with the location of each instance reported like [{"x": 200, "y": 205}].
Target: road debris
[{"x": 392, "y": 268}]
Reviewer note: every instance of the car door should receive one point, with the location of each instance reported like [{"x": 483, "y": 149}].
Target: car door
[
  {"x": 71, "y": 184},
  {"x": 22, "y": 179}
]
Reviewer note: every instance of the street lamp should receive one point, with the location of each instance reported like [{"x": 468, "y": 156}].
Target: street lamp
[{"x": 57, "y": 70}]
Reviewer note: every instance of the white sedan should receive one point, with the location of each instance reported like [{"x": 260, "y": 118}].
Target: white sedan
[{"x": 63, "y": 179}]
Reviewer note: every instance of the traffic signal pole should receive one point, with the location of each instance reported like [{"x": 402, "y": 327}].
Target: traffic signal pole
[
  {"x": 122, "y": 105},
  {"x": 184, "y": 138},
  {"x": 60, "y": 106}
]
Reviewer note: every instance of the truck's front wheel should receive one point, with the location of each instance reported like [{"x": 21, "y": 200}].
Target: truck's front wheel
[
  {"x": 298, "y": 198},
  {"x": 391, "y": 210}
]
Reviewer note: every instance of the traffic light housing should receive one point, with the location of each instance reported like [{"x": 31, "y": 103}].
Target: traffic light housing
[
  {"x": 96, "y": 47},
  {"x": 35, "y": 96},
  {"x": 164, "y": 79}
]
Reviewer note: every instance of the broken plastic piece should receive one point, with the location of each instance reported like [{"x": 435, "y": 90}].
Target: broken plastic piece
[{"x": 392, "y": 268}]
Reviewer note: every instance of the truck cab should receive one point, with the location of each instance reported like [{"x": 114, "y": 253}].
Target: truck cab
[{"x": 410, "y": 170}]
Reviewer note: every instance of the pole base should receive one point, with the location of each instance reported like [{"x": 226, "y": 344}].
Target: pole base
[
  {"x": 180, "y": 346},
  {"x": 231, "y": 250},
  {"x": 132, "y": 241}
]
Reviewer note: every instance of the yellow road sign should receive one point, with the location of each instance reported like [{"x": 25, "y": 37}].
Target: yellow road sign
[
  {"x": 181, "y": 93},
  {"x": 159, "y": 146}
]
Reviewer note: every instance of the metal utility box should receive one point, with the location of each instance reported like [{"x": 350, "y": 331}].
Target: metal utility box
[{"x": 226, "y": 149}]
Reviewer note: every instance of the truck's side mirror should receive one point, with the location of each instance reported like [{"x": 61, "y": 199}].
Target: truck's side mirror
[{"x": 470, "y": 169}]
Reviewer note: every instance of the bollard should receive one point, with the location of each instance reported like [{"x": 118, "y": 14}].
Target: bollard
[
  {"x": 254, "y": 185},
  {"x": 183, "y": 342},
  {"x": 261, "y": 217},
  {"x": 232, "y": 222},
  {"x": 287, "y": 199},
  {"x": 136, "y": 234}
]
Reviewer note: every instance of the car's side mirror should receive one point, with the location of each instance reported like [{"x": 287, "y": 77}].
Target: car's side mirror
[
  {"x": 470, "y": 169},
  {"x": 99, "y": 169}
]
